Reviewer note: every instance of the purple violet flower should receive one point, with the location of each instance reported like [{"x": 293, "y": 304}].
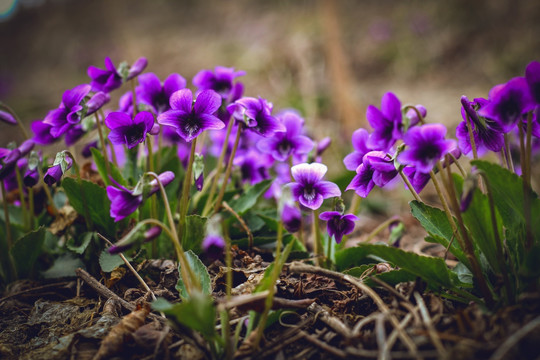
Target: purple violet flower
[
  {"x": 386, "y": 123},
  {"x": 138, "y": 67},
  {"x": 105, "y": 80},
  {"x": 86, "y": 152},
  {"x": 417, "y": 179},
  {"x": 42, "y": 133},
  {"x": 190, "y": 119},
  {"x": 156, "y": 94},
  {"x": 128, "y": 131},
  {"x": 359, "y": 142},
  {"x": 291, "y": 142},
  {"x": 253, "y": 166},
  {"x": 256, "y": 113},
  {"x": 309, "y": 189},
  {"x": 96, "y": 102},
  {"x": 376, "y": 169},
  {"x": 55, "y": 172},
  {"x": 69, "y": 111},
  {"x": 31, "y": 177},
  {"x": 291, "y": 217},
  {"x": 321, "y": 148},
  {"x": 507, "y": 103},
  {"x": 413, "y": 116},
  {"x": 7, "y": 117},
  {"x": 338, "y": 225},
  {"x": 532, "y": 75},
  {"x": 213, "y": 246},
  {"x": 220, "y": 80},
  {"x": 425, "y": 146},
  {"x": 124, "y": 201},
  {"x": 9, "y": 162},
  {"x": 487, "y": 135}
]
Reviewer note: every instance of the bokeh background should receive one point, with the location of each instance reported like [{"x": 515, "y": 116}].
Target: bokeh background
[{"x": 330, "y": 59}]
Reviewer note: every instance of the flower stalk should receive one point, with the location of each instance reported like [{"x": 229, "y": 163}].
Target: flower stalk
[
  {"x": 184, "y": 201},
  {"x": 103, "y": 146},
  {"x": 228, "y": 170},
  {"x": 219, "y": 169}
]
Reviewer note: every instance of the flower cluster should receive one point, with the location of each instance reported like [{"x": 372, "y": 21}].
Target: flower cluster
[{"x": 377, "y": 159}]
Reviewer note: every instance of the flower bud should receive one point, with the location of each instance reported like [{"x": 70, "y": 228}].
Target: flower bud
[
  {"x": 213, "y": 246},
  {"x": 96, "y": 102},
  {"x": 7, "y": 118},
  {"x": 291, "y": 217},
  {"x": 138, "y": 67}
]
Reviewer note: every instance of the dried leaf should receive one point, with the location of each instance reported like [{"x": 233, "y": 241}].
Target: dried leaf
[
  {"x": 66, "y": 216},
  {"x": 122, "y": 333}
]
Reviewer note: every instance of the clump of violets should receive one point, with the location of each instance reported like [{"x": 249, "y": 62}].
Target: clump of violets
[
  {"x": 129, "y": 131},
  {"x": 125, "y": 202},
  {"x": 338, "y": 225},
  {"x": 309, "y": 187},
  {"x": 190, "y": 120}
]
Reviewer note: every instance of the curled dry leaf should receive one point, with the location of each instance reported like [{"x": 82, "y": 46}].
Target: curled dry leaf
[
  {"x": 122, "y": 333},
  {"x": 66, "y": 216}
]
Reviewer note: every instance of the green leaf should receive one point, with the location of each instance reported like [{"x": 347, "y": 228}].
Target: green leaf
[
  {"x": 64, "y": 266},
  {"x": 455, "y": 249},
  {"x": 201, "y": 273},
  {"x": 393, "y": 277},
  {"x": 352, "y": 257},
  {"x": 433, "y": 270},
  {"x": 197, "y": 313},
  {"x": 359, "y": 271},
  {"x": 195, "y": 232},
  {"x": 99, "y": 160},
  {"x": 82, "y": 243},
  {"x": 478, "y": 221},
  {"x": 26, "y": 251},
  {"x": 109, "y": 262},
  {"x": 96, "y": 200},
  {"x": 250, "y": 197},
  {"x": 433, "y": 220}
]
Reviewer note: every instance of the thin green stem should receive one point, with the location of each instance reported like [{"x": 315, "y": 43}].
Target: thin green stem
[
  {"x": 221, "y": 194},
  {"x": 409, "y": 186},
  {"x": 219, "y": 169},
  {"x": 20, "y": 187},
  {"x": 317, "y": 242},
  {"x": 31, "y": 207},
  {"x": 6, "y": 217},
  {"x": 184, "y": 201},
  {"x": 47, "y": 192},
  {"x": 471, "y": 138},
  {"x": 86, "y": 214},
  {"x": 271, "y": 291},
  {"x": 187, "y": 273},
  {"x": 104, "y": 147},
  {"x": 380, "y": 228},
  {"x": 468, "y": 245},
  {"x": 134, "y": 97},
  {"x": 420, "y": 117},
  {"x": 498, "y": 242},
  {"x": 300, "y": 231},
  {"x": 19, "y": 123},
  {"x": 526, "y": 176},
  {"x": 508, "y": 154}
]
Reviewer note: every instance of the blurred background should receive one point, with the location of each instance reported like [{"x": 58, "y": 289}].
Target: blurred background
[{"x": 329, "y": 59}]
